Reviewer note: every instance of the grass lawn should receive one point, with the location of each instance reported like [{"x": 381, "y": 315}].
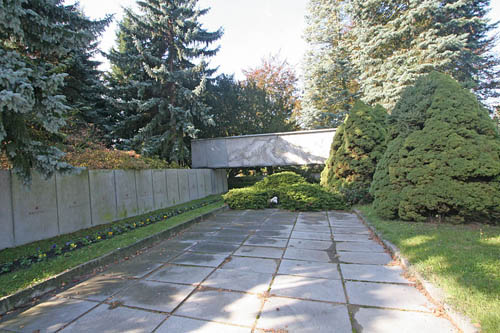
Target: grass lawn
[
  {"x": 464, "y": 260},
  {"x": 38, "y": 272}
]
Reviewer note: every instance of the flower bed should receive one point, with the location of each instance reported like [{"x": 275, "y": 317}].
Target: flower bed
[{"x": 60, "y": 249}]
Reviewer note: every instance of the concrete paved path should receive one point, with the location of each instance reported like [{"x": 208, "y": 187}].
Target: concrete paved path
[{"x": 244, "y": 271}]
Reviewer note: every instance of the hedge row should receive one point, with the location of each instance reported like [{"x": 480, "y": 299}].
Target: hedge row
[{"x": 292, "y": 191}]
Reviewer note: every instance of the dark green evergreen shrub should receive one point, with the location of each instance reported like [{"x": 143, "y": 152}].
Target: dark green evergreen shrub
[
  {"x": 280, "y": 179},
  {"x": 356, "y": 149},
  {"x": 293, "y": 193},
  {"x": 242, "y": 181},
  {"x": 247, "y": 198},
  {"x": 443, "y": 163},
  {"x": 309, "y": 197}
]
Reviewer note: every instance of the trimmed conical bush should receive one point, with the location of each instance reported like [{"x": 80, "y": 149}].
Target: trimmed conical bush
[
  {"x": 443, "y": 159},
  {"x": 357, "y": 147}
]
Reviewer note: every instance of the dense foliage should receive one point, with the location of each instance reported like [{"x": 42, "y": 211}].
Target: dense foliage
[
  {"x": 293, "y": 193},
  {"x": 265, "y": 101},
  {"x": 278, "y": 79},
  {"x": 377, "y": 48},
  {"x": 358, "y": 145},
  {"x": 40, "y": 41},
  {"x": 239, "y": 108},
  {"x": 159, "y": 77},
  {"x": 443, "y": 160},
  {"x": 330, "y": 86}
]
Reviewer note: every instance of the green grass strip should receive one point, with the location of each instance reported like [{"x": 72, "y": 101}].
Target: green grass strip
[
  {"x": 12, "y": 282},
  {"x": 463, "y": 260}
]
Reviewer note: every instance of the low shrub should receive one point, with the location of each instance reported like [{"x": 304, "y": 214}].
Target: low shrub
[
  {"x": 247, "y": 198},
  {"x": 307, "y": 197},
  {"x": 280, "y": 179},
  {"x": 243, "y": 181},
  {"x": 292, "y": 190},
  {"x": 443, "y": 162}
]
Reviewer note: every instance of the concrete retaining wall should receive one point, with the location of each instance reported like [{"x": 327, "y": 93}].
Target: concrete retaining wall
[
  {"x": 68, "y": 203},
  {"x": 273, "y": 149}
]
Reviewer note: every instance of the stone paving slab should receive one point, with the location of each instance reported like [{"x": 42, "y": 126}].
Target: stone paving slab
[
  {"x": 275, "y": 227},
  {"x": 233, "y": 279},
  {"x": 222, "y": 306},
  {"x": 215, "y": 277},
  {"x": 347, "y": 224},
  {"x": 392, "y": 321},
  {"x": 308, "y": 288},
  {"x": 157, "y": 296},
  {"x": 312, "y": 222},
  {"x": 213, "y": 247},
  {"x": 290, "y": 315},
  {"x": 181, "y": 274},
  {"x": 229, "y": 239},
  {"x": 309, "y": 269},
  {"x": 160, "y": 255},
  {"x": 258, "y": 265},
  {"x": 311, "y": 255},
  {"x": 365, "y": 258},
  {"x": 351, "y": 230},
  {"x": 312, "y": 228},
  {"x": 259, "y": 251},
  {"x": 97, "y": 288},
  {"x": 49, "y": 316},
  {"x": 359, "y": 247},
  {"x": 311, "y": 235},
  {"x": 387, "y": 296},
  {"x": 311, "y": 244},
  {"x": 136, "y": 268},
  {"x": 373, "y": 273},
  {"x": 273, "y": 233},
  {"x": 351, "y": 238},
  {"x": 232, "y": 232},
  {"x": 266, "y": 241},
  {"x": 186, "y": 325},
  {"x": 200, "y": 259},
  {"x": 117, "y": 320}
]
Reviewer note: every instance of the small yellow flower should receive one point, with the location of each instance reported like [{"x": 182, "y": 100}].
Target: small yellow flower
[
  {"x": 73, "y": 245},
  {"x": 98, "y": 237},
  {"x": 110, "y": 233},
  {"x": 164, "y": 216},
  {"x": 147, "y": 220}
]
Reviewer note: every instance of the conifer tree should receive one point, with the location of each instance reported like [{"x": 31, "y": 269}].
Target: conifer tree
[
  {"x": 358, "y": 145},
  {"x": 160, "y": 74},
  {"x": 84, "y": 87},
  {"x": 443, "y": 160},
  {"x": 396, "y": 42},
  {"x": 329, "y": 77},
  {"x": 377, "y": 48},
  {"x": 36, "y": 39}
]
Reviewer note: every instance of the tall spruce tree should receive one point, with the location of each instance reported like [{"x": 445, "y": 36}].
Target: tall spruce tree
[
  {"x": 395, "y": 42},
  {"x": 161, "y": 80},
  {"x": 385, "y": 46},
  {"x": 329, "y": 77},
  {"x": 84, "y": 87},
  {"x": 36, "y": 39}
]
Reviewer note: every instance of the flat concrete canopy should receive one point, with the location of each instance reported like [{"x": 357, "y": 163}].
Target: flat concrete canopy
[
  {"x": 273, "y": 149},
  {"x": 246, "y": 271}
]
